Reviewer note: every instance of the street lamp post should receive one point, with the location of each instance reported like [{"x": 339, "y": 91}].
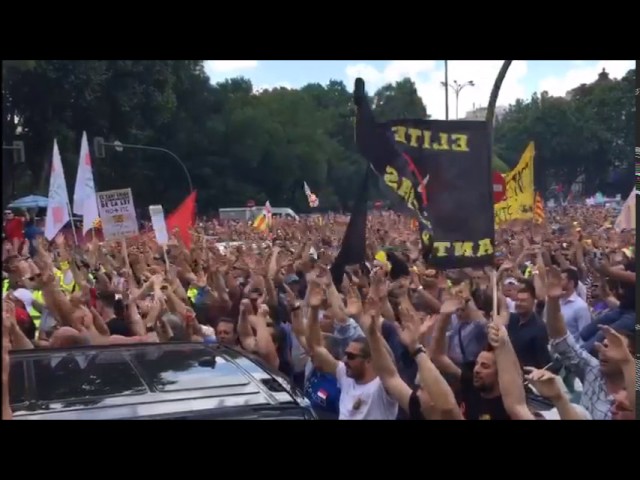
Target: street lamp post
[
  {"x": 99, "y": 145},
  {"x": 457, "y": 88}
]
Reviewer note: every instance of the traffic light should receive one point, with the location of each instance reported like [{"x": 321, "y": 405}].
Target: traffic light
[{"x": 98, "y": 147}]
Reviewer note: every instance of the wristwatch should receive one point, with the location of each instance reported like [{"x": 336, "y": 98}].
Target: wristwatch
[{"x": 418, "y": 351}]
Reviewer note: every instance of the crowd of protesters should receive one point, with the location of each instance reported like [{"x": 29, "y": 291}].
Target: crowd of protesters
[{"x": 392, "y": 338}]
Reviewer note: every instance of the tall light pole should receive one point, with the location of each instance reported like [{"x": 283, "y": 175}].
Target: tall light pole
[
  {"x": 446, "y": 90},
  {"x": 457, "y": 88},
  {"x": 99, "y": 144}
]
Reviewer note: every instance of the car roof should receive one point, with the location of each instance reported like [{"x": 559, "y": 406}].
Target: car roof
[{"x": 141, "y": 380}]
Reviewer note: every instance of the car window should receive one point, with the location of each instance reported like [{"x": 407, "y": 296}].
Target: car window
[
  {"x": 178, "y": 368},
  {"x": 85, "y": 375}
]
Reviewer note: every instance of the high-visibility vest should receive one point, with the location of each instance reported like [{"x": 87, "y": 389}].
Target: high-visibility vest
[
  {"x": 192, "y": 293},
  {"x": 529, "y": 271},
  {"x": 67, "y": 287},
  {"x": 5, "y": 286},
  {"x": 36, "y": 316}
]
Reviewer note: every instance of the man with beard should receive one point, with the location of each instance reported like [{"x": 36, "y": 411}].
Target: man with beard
[
  {"x": 478, "y": 392},
  {"x": 363, "y": 396}
]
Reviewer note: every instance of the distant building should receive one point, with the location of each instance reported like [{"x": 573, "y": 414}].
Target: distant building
[{"x": 480, "y": 113}]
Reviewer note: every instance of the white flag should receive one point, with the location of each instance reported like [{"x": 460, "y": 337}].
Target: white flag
[
  {"x": 84, "y": 195},
  {"x": 58, "y": 206}
]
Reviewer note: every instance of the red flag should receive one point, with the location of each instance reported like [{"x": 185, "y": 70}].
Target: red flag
[{"x": 183, "y": 218}]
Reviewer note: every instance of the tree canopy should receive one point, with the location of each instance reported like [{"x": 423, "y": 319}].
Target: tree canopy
[
  {"x": 240, "y": 145},
  {"x": 589, "y": 133}
]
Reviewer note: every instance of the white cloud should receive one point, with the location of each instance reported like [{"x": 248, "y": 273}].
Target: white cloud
[
  {"x": 427, "y": 75},
  {"x": 266, "y": 86},
  {"x": 228, "y": 66},
  {"x": 583, "y": 73}
]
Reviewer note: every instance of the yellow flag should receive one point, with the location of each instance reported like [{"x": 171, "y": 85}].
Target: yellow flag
[
  {"x": 261, "y": 223},
  {"x": 519, "y": 200}
]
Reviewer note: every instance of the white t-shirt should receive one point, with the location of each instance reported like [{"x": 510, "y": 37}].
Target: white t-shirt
[{"x": 364, "y": 402}]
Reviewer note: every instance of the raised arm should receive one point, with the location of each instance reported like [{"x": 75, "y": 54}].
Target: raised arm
[
  {"x": 439, "y": 344},
  {"x": 549, "y": 386},
  {"x": 320, "y": 356},
  {"x": 509, "y": 374},
  {"x": 381, "y": 358},
  {"x": 563, "y": 344}
]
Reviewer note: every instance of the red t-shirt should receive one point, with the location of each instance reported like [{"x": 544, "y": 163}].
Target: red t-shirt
[{"x": 14, "y": 228}]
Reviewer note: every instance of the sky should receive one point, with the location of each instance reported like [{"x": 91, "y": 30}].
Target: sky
[{"x": 522, "y": 80}]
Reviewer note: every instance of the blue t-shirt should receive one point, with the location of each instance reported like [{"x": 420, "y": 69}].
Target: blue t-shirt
[{"x": 322, "y": 390}]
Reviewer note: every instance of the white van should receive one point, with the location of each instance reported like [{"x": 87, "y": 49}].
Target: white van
[{"x": 249, "y": 214}]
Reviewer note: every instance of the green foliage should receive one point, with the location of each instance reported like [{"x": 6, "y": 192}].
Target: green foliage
[
  {"x": 591, "y": 133},
  {"x": 498, "y": 165},
  {"x": 239, "y": 144}
]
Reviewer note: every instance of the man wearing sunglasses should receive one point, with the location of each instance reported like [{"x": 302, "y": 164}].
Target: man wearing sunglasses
[{"x": 363, "y": 396}]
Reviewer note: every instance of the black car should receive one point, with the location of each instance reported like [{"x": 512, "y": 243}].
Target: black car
[{"x": 172, "y": 381}]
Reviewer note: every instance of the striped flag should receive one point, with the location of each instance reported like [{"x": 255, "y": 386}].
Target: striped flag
[
  {"x": 538, "y": 209},
  {"x": 627, "y": 218},
  {"x": 263, "y": 221}
]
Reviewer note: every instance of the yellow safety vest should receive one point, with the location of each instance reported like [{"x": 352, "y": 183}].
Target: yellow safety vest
[
  {"x": 67, "y": 287},
  {"x": 529, "y": 271},
  {"x": 192, "y": 293},
  {"x": 36, "y": 316},
  {"x": 5, "y": 286}
]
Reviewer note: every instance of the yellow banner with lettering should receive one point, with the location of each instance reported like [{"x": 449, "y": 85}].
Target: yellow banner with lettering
[{"x": 518, "y": 204}]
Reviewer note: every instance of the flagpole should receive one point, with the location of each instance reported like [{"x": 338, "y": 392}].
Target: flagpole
[
  {"x": 73, "y": 227},
  {"x": 446, "y": 89}
]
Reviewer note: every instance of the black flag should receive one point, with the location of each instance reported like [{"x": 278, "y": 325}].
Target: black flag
[
  {"x": 354, "y": 243},
  {"x": 442, "y": 172}
]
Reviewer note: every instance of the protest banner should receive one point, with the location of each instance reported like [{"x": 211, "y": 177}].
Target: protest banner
[{"x": 118, "y": 214}]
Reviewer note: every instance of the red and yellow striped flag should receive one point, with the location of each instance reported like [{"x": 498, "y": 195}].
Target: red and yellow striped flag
[
  {"x": 263, "y": 221},
  {"x": 538, "y": 209}
]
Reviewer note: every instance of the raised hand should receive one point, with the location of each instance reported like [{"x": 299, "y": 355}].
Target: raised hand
[
  {"x": 316, "y": 294},
  {"x": 409, "y": 328},
  {"x": 497, "y": 335},
  {"x": 546, "y": 383},
  {"x": 554, "y": 283},
  {"x": 451, "y": 305},
  {"x": 354, "y": 302},
  {"x": 615, "y": 348}
]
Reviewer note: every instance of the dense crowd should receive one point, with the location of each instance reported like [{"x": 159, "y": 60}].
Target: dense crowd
[{"x": 392, "y": 338}]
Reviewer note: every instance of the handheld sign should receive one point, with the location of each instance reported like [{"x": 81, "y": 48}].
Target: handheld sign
[
  {"x": 159, "y": 225},
  {"x": 498, "y": 187},
  {"x": 118, "y": 214}
]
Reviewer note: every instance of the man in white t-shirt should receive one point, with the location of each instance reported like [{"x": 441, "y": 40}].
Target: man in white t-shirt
[{"x": 362, "y": 395}]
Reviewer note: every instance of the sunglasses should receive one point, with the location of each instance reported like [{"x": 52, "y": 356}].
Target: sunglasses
[{"x": 33, "y": 278}]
